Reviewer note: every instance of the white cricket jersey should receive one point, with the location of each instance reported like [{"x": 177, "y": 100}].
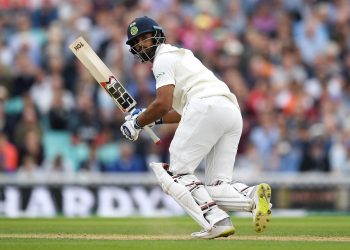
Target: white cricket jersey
[{"x": 191, "y": 78}]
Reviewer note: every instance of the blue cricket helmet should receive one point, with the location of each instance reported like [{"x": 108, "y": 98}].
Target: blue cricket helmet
[
  {"x": 142, "y": 25},
  {"x": 139, "y": 27}
]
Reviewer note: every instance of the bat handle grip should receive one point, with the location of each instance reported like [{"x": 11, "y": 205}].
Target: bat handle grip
[{"x": 153, "y": 136}]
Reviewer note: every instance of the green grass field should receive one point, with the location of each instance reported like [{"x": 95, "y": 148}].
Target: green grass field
[{"x": 318, "y": 232}]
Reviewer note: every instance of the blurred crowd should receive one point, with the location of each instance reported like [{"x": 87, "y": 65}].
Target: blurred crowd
[{"x": 287, "y": 61}]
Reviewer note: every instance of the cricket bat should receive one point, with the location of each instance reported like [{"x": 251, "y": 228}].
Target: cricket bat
[{"x": 106, "y": 79}]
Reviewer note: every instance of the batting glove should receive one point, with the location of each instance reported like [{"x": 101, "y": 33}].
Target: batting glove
[
  {"x": 136, "y": 112},
  {"x": 131, "y": 130}
]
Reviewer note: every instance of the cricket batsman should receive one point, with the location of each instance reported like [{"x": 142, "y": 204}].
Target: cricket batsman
[{"x": 210, "y": 127}]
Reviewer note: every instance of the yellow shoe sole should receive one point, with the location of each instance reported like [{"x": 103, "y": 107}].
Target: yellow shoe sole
[{"x": 263, "y": 213}]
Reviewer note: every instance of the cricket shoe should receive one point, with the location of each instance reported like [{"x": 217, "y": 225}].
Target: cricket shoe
[
  {"x": 262, "y": 207},
  {"x": 223, "y": 228}
]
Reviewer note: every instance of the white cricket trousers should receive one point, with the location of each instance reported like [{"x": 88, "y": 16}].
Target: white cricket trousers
[{"x": 210, "y": 129}]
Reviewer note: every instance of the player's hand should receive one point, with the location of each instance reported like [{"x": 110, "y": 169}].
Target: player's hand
[{"x": 129, "y": 130}]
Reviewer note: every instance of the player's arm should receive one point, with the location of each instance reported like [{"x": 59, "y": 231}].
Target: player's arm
[
  {"x": 164, "y": 72},
  {"x": 160, "y": 108},
  {"x": 171, "y": 117}
]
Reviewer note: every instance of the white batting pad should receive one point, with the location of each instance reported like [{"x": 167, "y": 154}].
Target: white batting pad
[
  {"x": 180, "y": 193},
  {"x": 213, "y": 214},
  {"x": 229, "y": 199}
]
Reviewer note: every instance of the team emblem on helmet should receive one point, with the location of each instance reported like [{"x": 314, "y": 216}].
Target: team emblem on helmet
[{"x": 134, "y": 30}]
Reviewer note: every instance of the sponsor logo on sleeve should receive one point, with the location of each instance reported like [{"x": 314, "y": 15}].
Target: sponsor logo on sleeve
[{"x": 160, "y": 74}]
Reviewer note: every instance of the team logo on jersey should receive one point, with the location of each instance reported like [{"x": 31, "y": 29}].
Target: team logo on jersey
[{"x": 134, "y": 30}]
